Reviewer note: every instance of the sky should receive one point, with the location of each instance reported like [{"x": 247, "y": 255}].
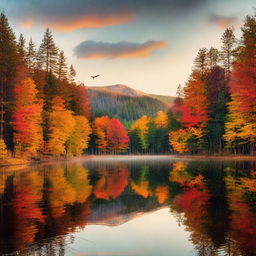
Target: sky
[{"x": 148, "y": 45}]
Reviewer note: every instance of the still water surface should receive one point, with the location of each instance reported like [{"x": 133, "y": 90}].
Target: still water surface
[{"x": 157, "y": 207}]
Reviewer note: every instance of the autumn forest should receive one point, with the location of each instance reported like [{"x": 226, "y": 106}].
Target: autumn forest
[{"x": 45, "y": 112}]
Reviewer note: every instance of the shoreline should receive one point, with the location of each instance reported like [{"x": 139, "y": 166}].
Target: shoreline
[{"x": 12, "y": 162}]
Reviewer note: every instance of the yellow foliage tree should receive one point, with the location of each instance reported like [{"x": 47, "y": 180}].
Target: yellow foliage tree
[
  {"x": 142, "y": 127},
  {"x": 79, "y": 139},
  {"x": 3, "y": 150},
  {"x": 179, "y": 140},
  {"x": 240, "y": 127},
  {"x": 161, "y": 120},
  {"x": 61, "y": 125}
]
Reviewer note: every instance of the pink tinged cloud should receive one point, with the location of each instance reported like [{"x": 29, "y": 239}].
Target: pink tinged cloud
[
  {"x": 121, "y": 50},
  {"x": 80, "y": 22},
  {"x": 223, "y": 22}
]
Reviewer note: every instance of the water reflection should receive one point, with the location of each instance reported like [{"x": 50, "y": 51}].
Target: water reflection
[{"x": 44, "y": 208}]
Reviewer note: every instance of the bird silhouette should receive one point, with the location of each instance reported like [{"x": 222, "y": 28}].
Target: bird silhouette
[{"x": 93, "y": 77}]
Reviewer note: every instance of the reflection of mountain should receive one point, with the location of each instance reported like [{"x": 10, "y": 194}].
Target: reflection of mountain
[{"x": 116, "y": 212}]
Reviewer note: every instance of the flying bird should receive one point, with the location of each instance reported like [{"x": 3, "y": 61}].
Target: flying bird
[{"x": 93, "y": 77}]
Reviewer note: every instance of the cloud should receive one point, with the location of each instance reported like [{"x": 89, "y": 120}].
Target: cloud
[
  {"x": 223, "y": 21},
  {"x": 125, "y": 50},
  {"x": 67, "y": 15},
  {"x": 79, "y": 22}
]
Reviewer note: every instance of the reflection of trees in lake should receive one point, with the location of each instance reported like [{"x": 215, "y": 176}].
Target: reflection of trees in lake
[
  {"x": 242, "y": 203},
  {"x": 112, "y": 181},
  {"x": 215, "y": 201},
  {"x": 219, "y": 210}
]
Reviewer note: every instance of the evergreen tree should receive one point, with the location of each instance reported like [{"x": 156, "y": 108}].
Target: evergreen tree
[
  {"x": 228, "y": 50},
  {"x": 31, "y": 55},
  {"x": 72, "y": 74},
  {"x": 201, "y": 61},
  {"x": 61, "y": 70},
  {"x": 213, "y": 57},
  {"x": 218, "y": 96},
  {"x": 8, "y": 66},
  {"x": 21, "y": 47},
  {"x": 50, "y": 89},
  {"x": 48, "y": 53}
]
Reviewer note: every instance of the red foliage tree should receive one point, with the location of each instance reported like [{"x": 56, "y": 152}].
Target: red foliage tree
[
  {"x": 195, "y": 107},
  {"x": 82, "y": 102},
  {"x": 117, "y": 136},
  {"x": 27, "y": 117}
]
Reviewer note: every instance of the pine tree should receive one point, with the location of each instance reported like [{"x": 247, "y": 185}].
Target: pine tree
[
  {"x": 31, "y": 55},
  {"x": 228, "y": 50},
  {"x": 218, "y": 96},
  {"x": 8, "y": 66},
  {"x": 201, "y": 61},
  {"x": 72, "y": 74},
  {"x": 61, "y": 70},
  {"x": 213, "y": 57},
  {"x": 21, "y": 47},
  {"x": 48, "y": 53}
]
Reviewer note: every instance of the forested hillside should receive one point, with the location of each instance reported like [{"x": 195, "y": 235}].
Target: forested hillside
[{"x": 124, "y": 103}]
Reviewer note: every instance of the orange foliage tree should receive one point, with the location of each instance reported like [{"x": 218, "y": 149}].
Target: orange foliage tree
[
  {"x": 100, "y": 126},
  {"x": 27, "y": 118}
]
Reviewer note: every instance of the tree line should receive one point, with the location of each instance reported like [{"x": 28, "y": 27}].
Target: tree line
[
  {"x": 216, "y": 108},
  {"x": 43, "y": 111}
]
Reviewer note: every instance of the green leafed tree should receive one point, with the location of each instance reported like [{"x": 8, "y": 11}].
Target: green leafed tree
[
  {"x": 61, "y": 68},
  {"x": 48, "y": 53},
  {"x": 31, "y": 55}
]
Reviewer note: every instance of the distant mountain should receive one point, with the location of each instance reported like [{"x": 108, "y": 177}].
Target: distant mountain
[
  {"x": 126, "y": 103},
  {"x": 119, "y": 89}
]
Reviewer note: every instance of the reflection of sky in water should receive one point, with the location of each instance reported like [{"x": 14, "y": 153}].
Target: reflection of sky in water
[{"x": 156, "y": 233}]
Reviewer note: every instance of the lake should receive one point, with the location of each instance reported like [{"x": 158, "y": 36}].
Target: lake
[{"x": 130, "y": 206}]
